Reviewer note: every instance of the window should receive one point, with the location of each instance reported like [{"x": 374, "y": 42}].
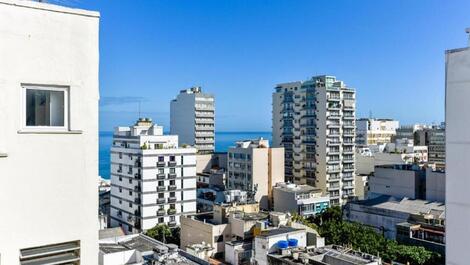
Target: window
[
  {"x": 172, "y": 158},
  {"x": 46, "y": 107},
  {"x": 130, "y": 204},
  {"x": 161, "y": 159},
  {"x": 172, "y": 170}
]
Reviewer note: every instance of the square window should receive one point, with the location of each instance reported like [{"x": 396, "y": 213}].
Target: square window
[{"x": 46, "y": 107}]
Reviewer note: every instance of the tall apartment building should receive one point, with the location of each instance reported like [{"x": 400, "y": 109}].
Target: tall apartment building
[
  {"x": 314, "y": 121},
  {"x": 457, "y": 155},
  {"x": 253, "y": 165},
  {"x": 375, "y": 131},
  {"x": 192, "y": 118},
  {"x": 48, "y": 134},
  {"x": 153, "y": 181}
]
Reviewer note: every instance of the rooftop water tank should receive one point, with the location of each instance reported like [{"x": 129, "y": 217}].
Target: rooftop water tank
[
  {"x": 282, "y": 244},
  {"x": 293, "y": 242}
]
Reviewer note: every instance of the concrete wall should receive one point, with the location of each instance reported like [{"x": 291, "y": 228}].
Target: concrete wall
[
  {"x": 182, "y": 118},
  {"x": 196, "y": 232},
  {"x": 393, "y": 182},
  {"x": 48, "y": 190},
  {"x": 457, "y": 156},
  {"x": 266, "y": 245},
  {"x": 435, "y": 185},
  {"x": 276, "y": 170}
]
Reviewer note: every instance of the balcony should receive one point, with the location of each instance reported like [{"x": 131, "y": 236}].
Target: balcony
[
  {"x": 137, "y": 200},
  {"x": 333, "y": 143},
  {"x": 332, "y": 170},
  {"x": 160, "y": 164},
  {"x": 348, "y": 169},
  {"x": 347, "y": 151},
  {"x": 161, "y": 212},
  {"x": 172, "y": 223},
  {"x": 171, "y": 211},
  {"x": 171, "y": 175},
  {"x": 333, "y": 161},
  {"x": 161, "y": 188},
  {"x": 348, "y": 125},
  {"x": 137, "y": 176},
  {"x": 172, "y": 187},
  {"x": 333, "y": 125},
  {"x": 348, "y": 143},
  {"x": 348, "y": 187},
  {"x": 171, "y": 199},
  {"x": 138, "y": 189},
  {"x": 137, "y": 224},
  {"x": 172, "y": 163},
  {"x": 160, "y": 200},
  {"x": 161, "y": 176}
]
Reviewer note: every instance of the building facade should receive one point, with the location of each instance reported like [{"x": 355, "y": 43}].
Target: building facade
[
  {"x": 153, "y": 180},
  {"x": 457, "y": 155},
  {"x": 48, "y": 133},
  {"x": 301, "y": 199},
  {"x": 314, "y": 121},
  {"x": 192, "y": 118},
  {"x": 375, "y": 131},
  {"x": 255, "y": 167}
]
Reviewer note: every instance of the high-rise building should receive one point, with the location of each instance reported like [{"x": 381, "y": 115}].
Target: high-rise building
[
  {"x": 457, "y": 155},
  {"x": 153, "y": 180},
  {"x": 314, "y": 121},
  {"x": 192, "y": 118},
  {"x": 48, "y": 134},
  {"x": 254, "y": 166},
  {"x": 375, "y": 131}
]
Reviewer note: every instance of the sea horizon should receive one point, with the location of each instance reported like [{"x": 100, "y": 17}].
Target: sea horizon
[{"x": 223, "y": 140}]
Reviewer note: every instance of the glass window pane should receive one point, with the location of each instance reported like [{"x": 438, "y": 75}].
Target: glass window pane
[{"x": 44, "y": 107}]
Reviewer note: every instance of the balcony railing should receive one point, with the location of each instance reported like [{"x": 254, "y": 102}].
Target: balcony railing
[
  {"x": 171, "y": 163},
  {"x": 161, "y": 188},
  {"x": 172, "y": 223},
  {"x": 161, "y": 212},
  {"x": 161, "y": 176},
  {"x": 160, "y": 164},
  {"x": 171, "y": 199},
  {"x": 171, "y": 175},
  {"x": 160, "y": 200},
  {"x": 171, "y": 211}
]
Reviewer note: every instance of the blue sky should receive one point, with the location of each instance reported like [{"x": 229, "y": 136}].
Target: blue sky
[{"x": 392, "y": 52}]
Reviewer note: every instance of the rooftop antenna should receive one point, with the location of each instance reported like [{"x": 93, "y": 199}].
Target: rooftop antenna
[{"x": 467, "y": 30}]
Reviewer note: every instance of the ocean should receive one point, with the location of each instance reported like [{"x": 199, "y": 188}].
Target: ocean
[{"x": 223, "y": 140}]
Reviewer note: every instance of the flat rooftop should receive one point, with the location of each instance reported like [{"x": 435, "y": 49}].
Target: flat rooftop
[
  {"x": 51, "y": 7},
  {"x": 404, "y": 205},
  {"x": 279, "y": 231},
  {"x": 297, "y": 188}
]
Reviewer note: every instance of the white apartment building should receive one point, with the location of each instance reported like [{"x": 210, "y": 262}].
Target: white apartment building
[
  {"x": 457, "y": 155},
  {"x": 254, "y": 166},
  {"x": 375, "y": 131},
  {"x": 301, "y": 199},
  {"x": 48, "y": 134},
  {"x": 314, "y": 121},
  {"x": 153, "y": 181},
  {"x": 192, "y": 118}
]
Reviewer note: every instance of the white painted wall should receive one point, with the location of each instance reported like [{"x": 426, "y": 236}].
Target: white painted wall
[
  {"x": 48, "y": 186},
  {"x": 457, "y": 156}
]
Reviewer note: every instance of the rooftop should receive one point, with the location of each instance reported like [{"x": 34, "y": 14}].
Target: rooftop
[
  {"x": 51, "y": 7},
  {"x": 279, "y": 231},
  {"x": 326, "y": 255},
  {"x": 290, "y": 187},
  {"x": 405, "y": 205}
]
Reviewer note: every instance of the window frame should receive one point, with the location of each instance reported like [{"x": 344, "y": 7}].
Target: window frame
[{"x": 65, "y": 89}]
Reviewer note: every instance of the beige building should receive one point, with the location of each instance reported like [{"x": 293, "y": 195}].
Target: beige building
[
  {"x": 254, "y": 166},
  {"x": 375, "y": 131},
  {"x": 212, "y": 229}
]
